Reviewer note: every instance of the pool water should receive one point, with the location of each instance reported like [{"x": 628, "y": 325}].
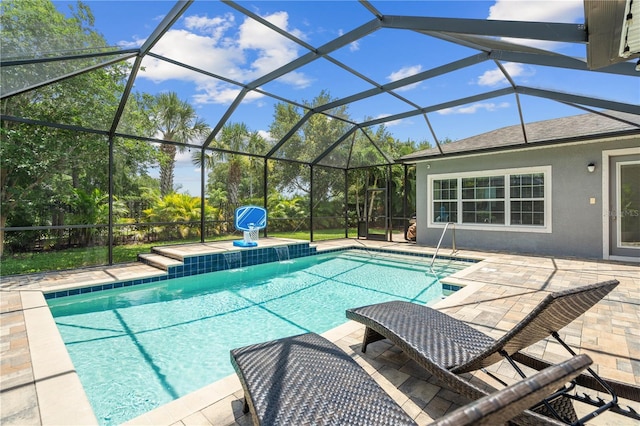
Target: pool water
[{"x": 141, "y": 347}]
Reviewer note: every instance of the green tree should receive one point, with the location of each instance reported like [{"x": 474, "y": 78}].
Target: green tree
[
  {"x": 177, "y": 121},
  {"x": 40, "y": 167},
  {"x": 235, "y": 176},
  {"x": 317, "y": 134}
]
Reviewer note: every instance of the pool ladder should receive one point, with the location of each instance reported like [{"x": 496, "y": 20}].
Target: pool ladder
[{"x": 446, "y": 226}]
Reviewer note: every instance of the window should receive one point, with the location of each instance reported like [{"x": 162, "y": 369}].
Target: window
[
  {"x": 509, "y": 198},
  {"x": 527, "y": 199},
  {"x": 445, "y": 205},
  {"x": 483, "y": 199}
]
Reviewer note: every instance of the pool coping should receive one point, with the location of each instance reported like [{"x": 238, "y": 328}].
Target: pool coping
[
  {"x": 53, "y": 370},
  {"x": 66, "y": 290},
  {"x": 190, "y": 265}
]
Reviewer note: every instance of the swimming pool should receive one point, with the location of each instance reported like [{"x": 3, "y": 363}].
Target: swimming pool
[{"x": 137, "y": 348}]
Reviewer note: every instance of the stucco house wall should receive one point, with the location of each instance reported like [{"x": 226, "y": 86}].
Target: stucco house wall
[{"x": 576, "y": 225}]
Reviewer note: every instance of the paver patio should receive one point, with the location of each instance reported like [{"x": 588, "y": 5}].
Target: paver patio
[{"x": 498, "y": 292}]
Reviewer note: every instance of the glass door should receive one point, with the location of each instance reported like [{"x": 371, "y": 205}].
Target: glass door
[{"x": 624, "y": 209}]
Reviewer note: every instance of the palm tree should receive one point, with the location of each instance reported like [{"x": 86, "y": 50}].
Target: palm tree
[
  {"x": 257, "y": 145},
  {"x": 235, "y": 137},
  {"x": 177, "y": 121}
]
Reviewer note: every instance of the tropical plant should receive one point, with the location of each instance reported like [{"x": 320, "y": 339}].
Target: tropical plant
[
  {"x": 287, "y": 214},
  {"x": 92, "y": 208},
  {"x": 183, "y": 209},
  {"x": 176, "y": 121}
]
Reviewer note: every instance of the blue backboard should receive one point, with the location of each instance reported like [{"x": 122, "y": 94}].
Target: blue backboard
[{"x": 250, "y": 217}]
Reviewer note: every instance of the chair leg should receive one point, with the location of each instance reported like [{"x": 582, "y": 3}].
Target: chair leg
[
  {"x": 370, "y": 336},
  {"x": 601, "y": 408},
  {"x": 557, "y": 406},
  {"x": 552, "y": 407}
]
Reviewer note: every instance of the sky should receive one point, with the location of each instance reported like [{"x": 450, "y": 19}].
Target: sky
[{"x": 215, "y": 37}]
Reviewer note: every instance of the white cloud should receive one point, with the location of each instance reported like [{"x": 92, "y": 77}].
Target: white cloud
[
  {"x": 197, "y": 50},
  {"x": 567, "y": 11},
  {"x": 403, "y": 73},
  {"x": 130, "y": 44},
  {"x": 266, "y": 135},
  {"x": 472, "y": 109},
  {"x": 495, "y": 76},
  {"x": 218, "y": 45},
  {"x": 215, "y": 27},
  {"x": 388, "y": 123},
  {"x": 215, "y": 93},
  {"x": 272, "y": 49},
  {"x": 296, "y": 79}
]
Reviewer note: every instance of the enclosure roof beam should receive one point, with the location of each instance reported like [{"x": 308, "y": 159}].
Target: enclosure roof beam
[
  {"x": 268, "y": 24},
  {"x": 235, "y": 83},
  {"x": 415, "y": 78},
  {"x": 14, "y": 62},
  {"x": 290, "y": 133},
  {"x": 602, "y": 114},
  {"x": 68, "y": 76},
  {"x": 336, "y": 43},
  {"x": 333, "y": 146},
  {"x": 569, "y": 33},
  {"x": 561, "y": 61},
  {"x": 513, "y": 85},
  {"x": 578, "y": 99},
  {"x": 170, "y": 18},
  {"x": 225, "y": 117},
  {"x": 451, "y": 104},
  {"x": 375, "y": 145},
  {"x": 125, "y": 95},
  {"x": 327, "y": 48}
]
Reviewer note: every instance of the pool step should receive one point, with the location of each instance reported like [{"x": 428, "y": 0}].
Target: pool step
[{"x": 158, "y": 261}]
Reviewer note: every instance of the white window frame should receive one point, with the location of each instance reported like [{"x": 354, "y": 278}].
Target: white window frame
[{"x": 545, "y": 170}]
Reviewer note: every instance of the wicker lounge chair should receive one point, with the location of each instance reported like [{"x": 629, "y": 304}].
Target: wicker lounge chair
[
  {"x": 505, "y": 404},
  {"x": 442, "y": 344},
  {"x": 308, "y": 380}
]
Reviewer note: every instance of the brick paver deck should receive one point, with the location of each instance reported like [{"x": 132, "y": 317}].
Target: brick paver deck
[{"x": 499, "y": 291}]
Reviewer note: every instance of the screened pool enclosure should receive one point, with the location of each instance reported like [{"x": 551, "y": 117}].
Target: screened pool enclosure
[{"x": 149, "y": 124}]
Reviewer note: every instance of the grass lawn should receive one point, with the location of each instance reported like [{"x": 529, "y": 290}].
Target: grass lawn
[{"x": 29, "y": 263}]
